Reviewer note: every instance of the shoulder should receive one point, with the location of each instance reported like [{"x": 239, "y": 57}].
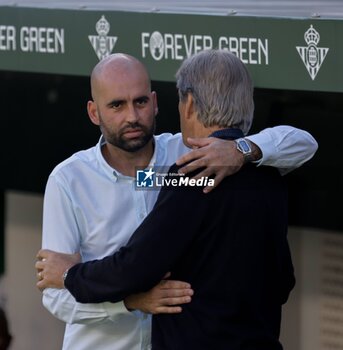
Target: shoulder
[
  {"x": 176, "y": 181},
  {"x": 259, "y": 175},
  {"x": 167, "y": 136},
  {"x": 76, "y": 160},
  {"x": 169, "y": 147},
  {"x": 261, "y": 184},
  {"x": 179, "y": 191},
  {"x": 170, "y": 140}
]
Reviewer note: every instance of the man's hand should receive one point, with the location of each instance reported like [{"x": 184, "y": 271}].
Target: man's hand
[
  {"x": 51, "y": 266},
  {"x": 165, "y": 298},
  {"x": 219, "y": 158}
]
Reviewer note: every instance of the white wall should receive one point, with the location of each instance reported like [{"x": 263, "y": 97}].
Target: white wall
[
  {"x": 290, "y": 325},
  {"x": 313, "y": 317},
  {"x": 32, "y": 327}
]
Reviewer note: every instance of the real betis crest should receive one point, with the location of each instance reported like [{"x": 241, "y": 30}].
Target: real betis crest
[
  {"x": 102, "y": 43},
  {"x": 312, "y": 55}
]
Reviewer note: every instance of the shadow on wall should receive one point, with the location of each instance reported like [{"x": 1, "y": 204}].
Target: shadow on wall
[{"x": 5, "y": 336}]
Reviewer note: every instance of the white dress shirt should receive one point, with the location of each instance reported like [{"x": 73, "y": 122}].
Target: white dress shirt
[{"x": 91, "y": 208}]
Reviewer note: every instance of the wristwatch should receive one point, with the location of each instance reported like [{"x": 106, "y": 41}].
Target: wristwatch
[{"x": 243, "y": 145}]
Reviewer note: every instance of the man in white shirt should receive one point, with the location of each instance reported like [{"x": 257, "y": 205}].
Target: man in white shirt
[{"x": 91, "y": 204}]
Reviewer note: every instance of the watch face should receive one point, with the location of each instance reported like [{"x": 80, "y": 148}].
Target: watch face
[{"x": 244, "y": 146}]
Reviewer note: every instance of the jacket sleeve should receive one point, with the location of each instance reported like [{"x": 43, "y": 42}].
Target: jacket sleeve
[{"x": 154, "y": 247}]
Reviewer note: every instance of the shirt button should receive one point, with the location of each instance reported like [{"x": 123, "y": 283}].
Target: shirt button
[{"x": 115, "y": 177}]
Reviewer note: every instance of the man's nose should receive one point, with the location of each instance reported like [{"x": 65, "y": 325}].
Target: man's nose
[{"x": 132, "y": 115}]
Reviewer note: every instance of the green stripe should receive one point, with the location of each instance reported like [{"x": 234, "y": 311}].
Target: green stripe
[{"x": 57, "y": 41}]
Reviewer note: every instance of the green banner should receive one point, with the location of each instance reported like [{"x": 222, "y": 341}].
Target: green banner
[{"x": 281, "y": 53}]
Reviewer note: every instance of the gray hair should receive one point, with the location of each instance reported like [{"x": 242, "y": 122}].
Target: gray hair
[{"x": 221, "y": 86}]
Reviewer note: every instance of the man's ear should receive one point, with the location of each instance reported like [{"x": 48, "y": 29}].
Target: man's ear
[
  {"x": 155, "y": 103},
  {"x": 190, "y": 111},
  {"x": 93, "y": 112}
]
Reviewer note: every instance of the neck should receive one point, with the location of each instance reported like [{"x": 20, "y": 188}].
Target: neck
[
  {"x": 202, "y": 131},
  {"x": 128, "y": 162}
]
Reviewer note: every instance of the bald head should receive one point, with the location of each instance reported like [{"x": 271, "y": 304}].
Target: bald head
[
  {"x": 115, "y": 67},
  {"x": 123, "y": 105}
]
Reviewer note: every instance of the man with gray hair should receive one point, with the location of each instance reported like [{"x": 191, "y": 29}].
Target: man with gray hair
[{"x": 230, "y": 245}]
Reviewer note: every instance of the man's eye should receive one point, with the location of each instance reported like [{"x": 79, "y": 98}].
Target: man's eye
[
  {"x": 116, "y": 104},
  {"x": 142, "y": 101}
]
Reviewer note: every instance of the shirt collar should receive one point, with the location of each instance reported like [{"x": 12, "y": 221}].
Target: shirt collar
[{"x": 228, "y": 133}]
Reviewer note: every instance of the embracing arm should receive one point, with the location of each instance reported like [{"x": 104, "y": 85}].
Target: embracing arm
[
  {"x": 152, "y": 250},
  {"x": 283, "y": 147}
]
